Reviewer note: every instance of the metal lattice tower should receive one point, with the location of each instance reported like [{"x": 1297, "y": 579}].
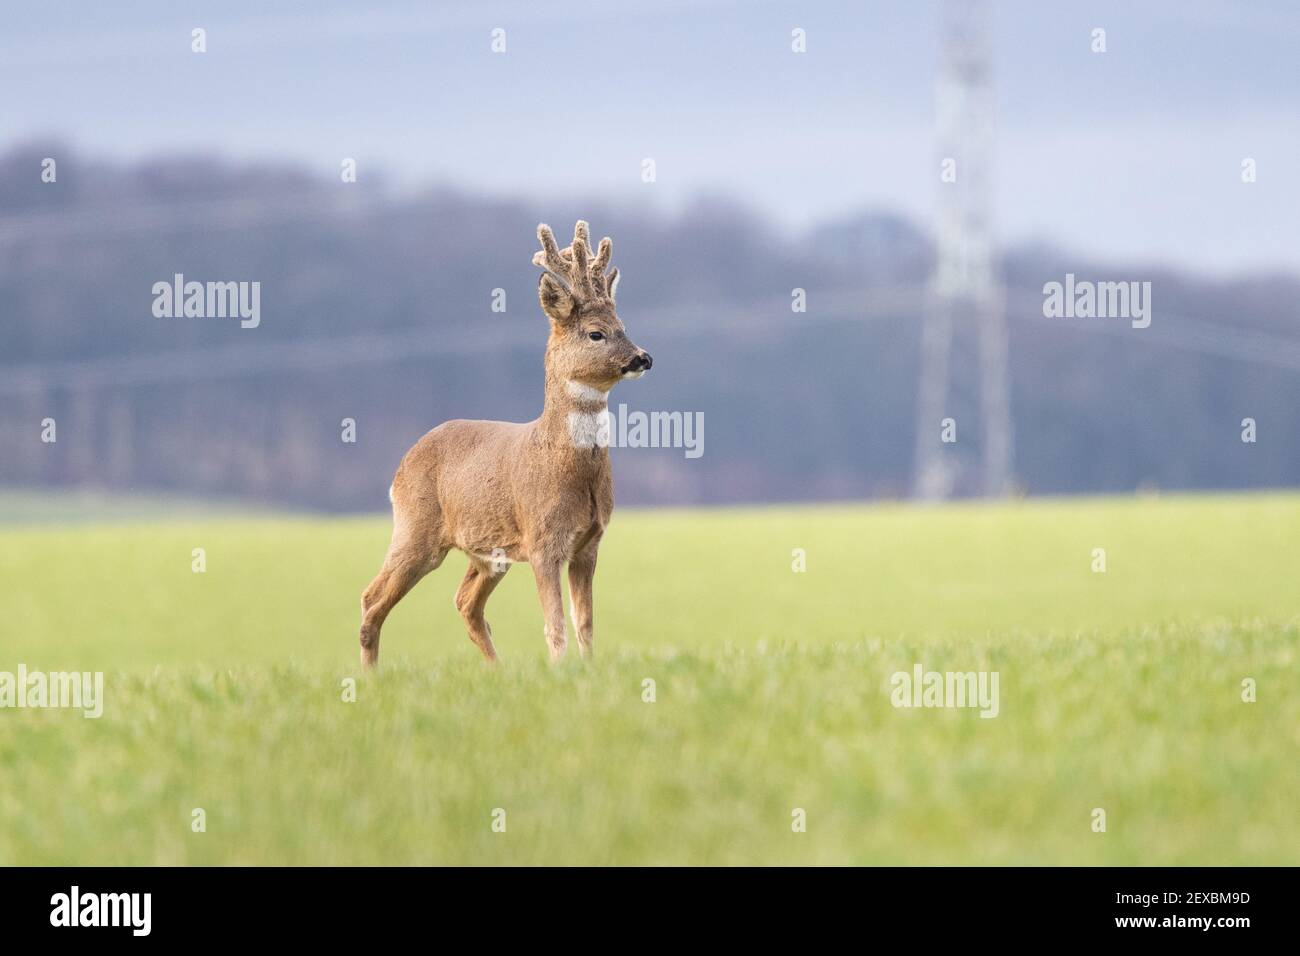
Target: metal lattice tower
[{"x": 964, "y": 336}]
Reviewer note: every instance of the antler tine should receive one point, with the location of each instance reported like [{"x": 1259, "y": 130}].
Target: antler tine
[
  {"x": 603, "y": 255},
  {"x": 579, "y": 250},
  {"x": 550, "y": 253},
  {"x": 549, "y": 258}
]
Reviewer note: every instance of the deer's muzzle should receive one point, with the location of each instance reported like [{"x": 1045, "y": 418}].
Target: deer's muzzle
[{"x": 641, "y": 362}]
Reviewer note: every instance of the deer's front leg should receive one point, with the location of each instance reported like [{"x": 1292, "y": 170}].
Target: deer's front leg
[
  {"x": 582, "y": 569},
  {"x": 548, "y": 590}
]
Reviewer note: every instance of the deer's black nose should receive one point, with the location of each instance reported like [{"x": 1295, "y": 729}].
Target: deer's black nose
[{"x": 640, "y": 362}]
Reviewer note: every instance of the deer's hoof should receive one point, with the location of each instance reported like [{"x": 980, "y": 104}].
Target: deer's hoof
[{"x": 369, "y": 657}]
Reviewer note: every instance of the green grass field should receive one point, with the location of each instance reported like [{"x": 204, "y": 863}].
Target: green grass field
[{"x": 1119, "y": 690}]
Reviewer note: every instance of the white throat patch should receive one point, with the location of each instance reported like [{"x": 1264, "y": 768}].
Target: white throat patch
[{"x": 585, "y": 393}]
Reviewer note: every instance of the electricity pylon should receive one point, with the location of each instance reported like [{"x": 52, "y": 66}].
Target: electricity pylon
[{"x": 964, "y": 336}]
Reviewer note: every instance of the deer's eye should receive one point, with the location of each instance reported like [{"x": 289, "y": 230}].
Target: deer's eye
[{"x": 596, "y": 336}]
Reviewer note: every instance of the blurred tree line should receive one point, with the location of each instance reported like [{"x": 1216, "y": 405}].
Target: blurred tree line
[{"x": 378, "y": 307}]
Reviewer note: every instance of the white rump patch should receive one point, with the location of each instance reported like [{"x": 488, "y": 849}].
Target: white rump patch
[
  {"x": 585, "y": 393},
  {"x": 390, "y": 495}
]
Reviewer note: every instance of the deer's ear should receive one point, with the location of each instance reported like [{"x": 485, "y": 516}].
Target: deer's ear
[{"x": 556, "y": 303}]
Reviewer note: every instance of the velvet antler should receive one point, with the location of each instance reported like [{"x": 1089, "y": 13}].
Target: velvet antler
[{"x": 578, "y": 271}]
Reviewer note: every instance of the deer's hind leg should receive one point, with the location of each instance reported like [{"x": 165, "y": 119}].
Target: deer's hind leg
[
  {"x": 471, "y": 599},
  {"x": 410, "y": 557}
]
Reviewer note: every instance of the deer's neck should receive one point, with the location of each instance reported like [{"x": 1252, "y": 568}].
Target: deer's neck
[{"x": 575, "y": 416}]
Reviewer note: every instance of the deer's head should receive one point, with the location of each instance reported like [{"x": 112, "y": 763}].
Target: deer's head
[{"x": 588, "y": 344}]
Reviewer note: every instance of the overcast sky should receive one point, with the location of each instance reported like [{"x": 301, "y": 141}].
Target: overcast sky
[{"x": 1135, "y": 153}]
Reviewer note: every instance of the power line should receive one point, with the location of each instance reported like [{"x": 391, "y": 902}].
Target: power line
[
  {"x": 495, "y": 335},
  {"x": 492, "y": 334}
]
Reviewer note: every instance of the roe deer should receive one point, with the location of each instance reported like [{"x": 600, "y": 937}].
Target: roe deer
[{"x": 502, "y": 492}]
